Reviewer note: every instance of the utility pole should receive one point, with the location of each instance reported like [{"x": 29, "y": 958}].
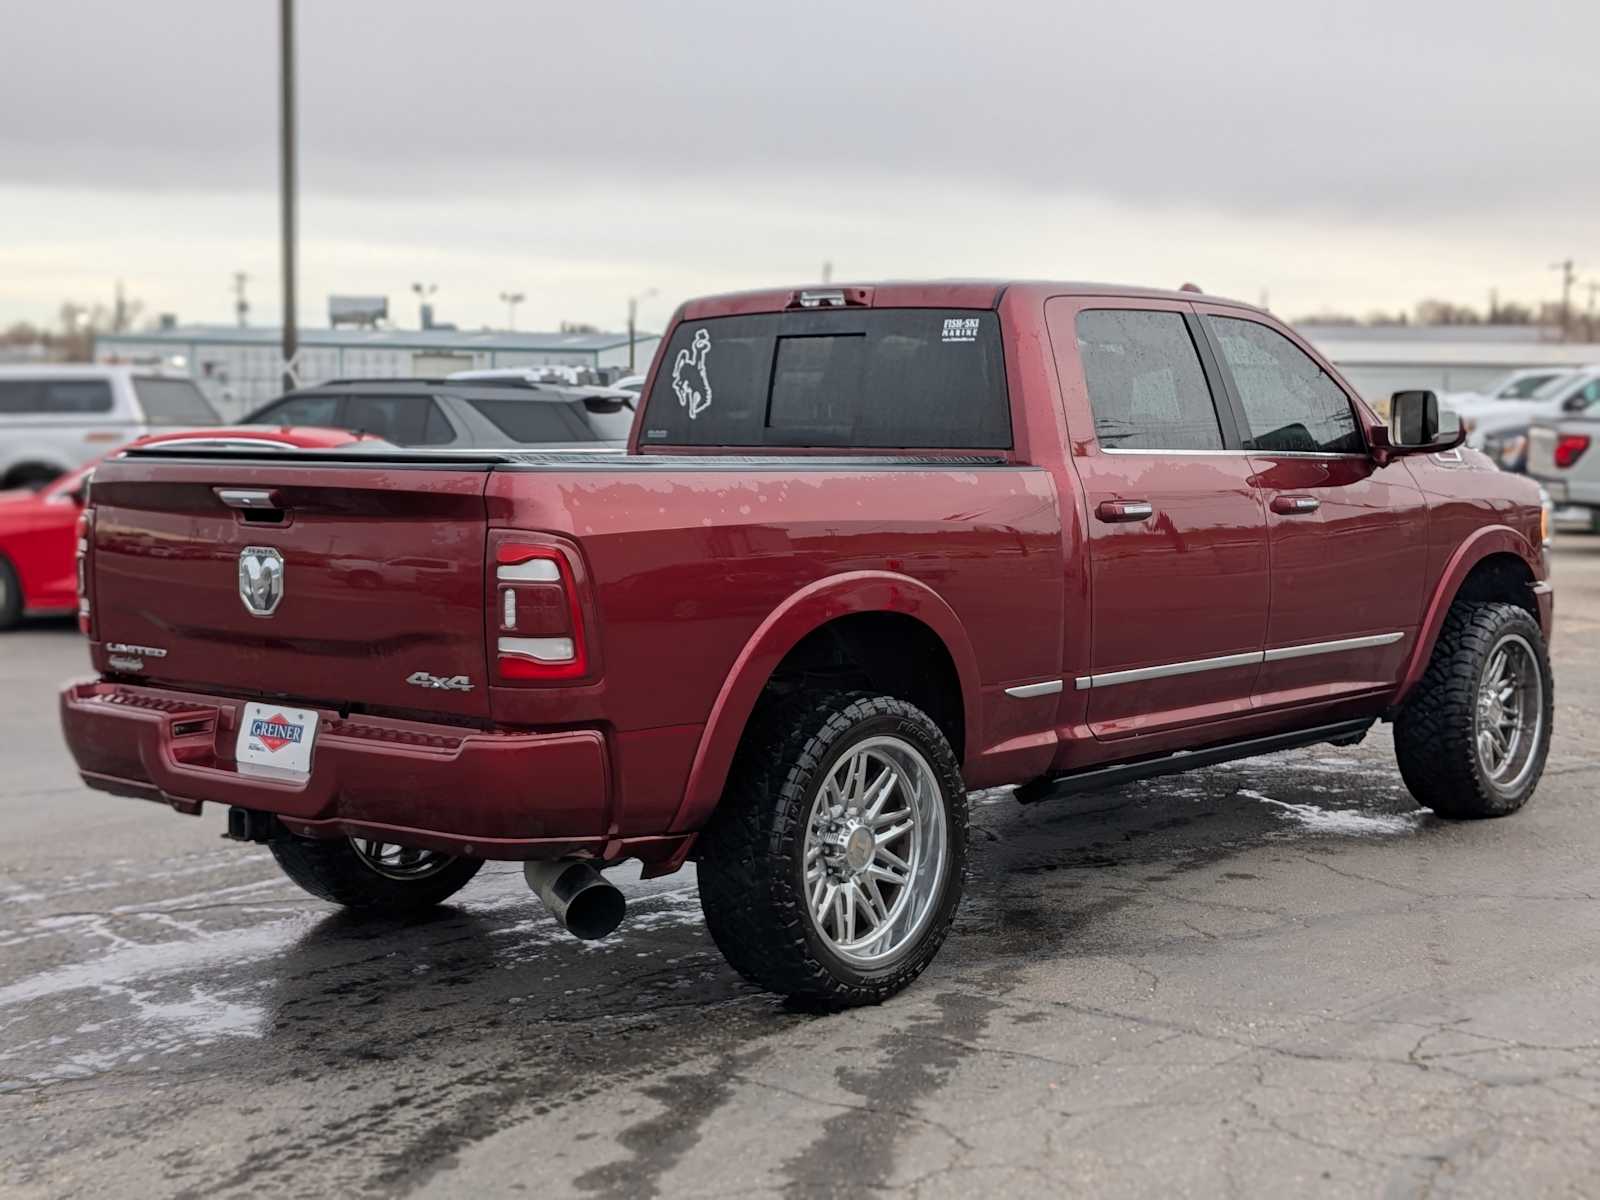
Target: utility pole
[
  {"x": 287, "y": 198},
  {"x": 1569, "y": 276},
  {"x": 511, "y": 300},
  {"x": 633, "y": 321},
  {"x": 241, "y": 306},
  {"x": 827, "y": 272},
  {"x": 1494, "y": 305},
  {"x": 424, "y": 308},
  {"x": 1588, "y": 320}
]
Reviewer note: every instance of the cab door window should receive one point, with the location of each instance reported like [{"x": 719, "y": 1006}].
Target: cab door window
[
  {"x": 1291, "y": 405},
  {"x": 401, "y": 420},
  {"x": 1147, "y": 388},
  {"x": 301, "y": 410}
]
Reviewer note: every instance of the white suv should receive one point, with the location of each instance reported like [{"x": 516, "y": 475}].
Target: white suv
[{"x": 54, "y": 419}]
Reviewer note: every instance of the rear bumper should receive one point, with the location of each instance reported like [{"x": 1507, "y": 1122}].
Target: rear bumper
[
  {"x": 1567, "y": 490},
  {"x": 507, "y": 795}
]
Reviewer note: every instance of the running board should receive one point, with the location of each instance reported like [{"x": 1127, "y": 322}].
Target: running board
[{"x": 1094, "y": 778}]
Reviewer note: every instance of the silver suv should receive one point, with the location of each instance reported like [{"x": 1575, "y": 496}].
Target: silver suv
[{"x": 54, "y": 419}]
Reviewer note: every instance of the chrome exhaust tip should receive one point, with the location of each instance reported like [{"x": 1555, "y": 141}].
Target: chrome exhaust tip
[{"x": 578, "y": 896}]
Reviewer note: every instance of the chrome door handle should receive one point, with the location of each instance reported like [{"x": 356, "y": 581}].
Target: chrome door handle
[
  {"x": 1295, "y": 506},
  {"x": 1124, "y": 510}
]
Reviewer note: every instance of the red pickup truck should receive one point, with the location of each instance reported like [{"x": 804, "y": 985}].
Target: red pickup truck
[{"x": 870, "y": 547}]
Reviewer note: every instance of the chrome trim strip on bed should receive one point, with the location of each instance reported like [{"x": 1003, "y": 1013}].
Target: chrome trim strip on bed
[{"x": 1028, "y": 691}]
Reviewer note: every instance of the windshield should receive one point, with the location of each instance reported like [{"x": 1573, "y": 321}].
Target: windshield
[
  {"x": 174, "y": 402},
  {"x": 1527, "y": 387}
]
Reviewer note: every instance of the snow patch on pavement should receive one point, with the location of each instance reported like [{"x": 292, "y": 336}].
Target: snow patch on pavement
[{"x": 1343, "y": 822}]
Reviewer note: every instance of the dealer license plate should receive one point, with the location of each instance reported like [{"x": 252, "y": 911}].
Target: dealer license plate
[{"x": 277, "y": 740}]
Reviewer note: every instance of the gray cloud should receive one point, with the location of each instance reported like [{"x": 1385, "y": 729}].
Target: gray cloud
[{"x": 1396, "y": 111}]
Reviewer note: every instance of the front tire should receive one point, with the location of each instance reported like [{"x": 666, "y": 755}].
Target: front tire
[
  {"x": 832, "y": 869},
  {"x": 371, "y": 876},
  {"x": 1472, "y": 739},
  {"x": 10, "y": 595}
]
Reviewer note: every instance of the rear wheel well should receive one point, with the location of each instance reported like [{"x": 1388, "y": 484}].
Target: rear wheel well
[
  {"x": 1499, "y": 577},
  {"x": 31, "y": 475},
  {"x": 883, "y": 652}
]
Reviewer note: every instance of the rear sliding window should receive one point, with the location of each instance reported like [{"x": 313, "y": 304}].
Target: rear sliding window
[
  {"x": 174, "y": 402},
  {"x": 889, "y": 378},
  {"x": 54, "y": 397}
]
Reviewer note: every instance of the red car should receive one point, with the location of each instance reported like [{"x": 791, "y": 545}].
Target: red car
[
  {"x": 871, "y": 546},
  {"x": 38, "y": 560}
]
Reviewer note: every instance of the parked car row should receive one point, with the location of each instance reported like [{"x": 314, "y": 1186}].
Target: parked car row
[
  {"x": 476, "y": 410},
  {"x": 38, "y": 528},
  {"x": 58, "y": 422},
  {"x": 54, "y": 419}
]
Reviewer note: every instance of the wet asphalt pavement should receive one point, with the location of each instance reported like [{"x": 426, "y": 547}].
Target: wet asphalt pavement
[{"x": 1271, "y": 978}]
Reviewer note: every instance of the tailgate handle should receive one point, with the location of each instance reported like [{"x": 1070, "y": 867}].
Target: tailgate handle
[{"x": 256, "y": 498}]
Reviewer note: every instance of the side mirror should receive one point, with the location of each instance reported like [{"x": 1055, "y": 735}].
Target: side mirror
[
  {"x": 1419, "y": 424},
  {"x": 1575, "y": 404}
]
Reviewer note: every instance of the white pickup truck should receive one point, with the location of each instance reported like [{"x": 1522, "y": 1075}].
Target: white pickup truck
[
  {"x": 1564, "y": 457},
  {"x": 53, "y": 419}
]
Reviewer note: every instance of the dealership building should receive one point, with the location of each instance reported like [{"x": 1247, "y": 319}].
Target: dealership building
[{"x": 239, "y": 368}]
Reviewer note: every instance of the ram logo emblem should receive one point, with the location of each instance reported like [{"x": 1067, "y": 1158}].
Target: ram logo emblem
[{"x": 260, "y": 580}]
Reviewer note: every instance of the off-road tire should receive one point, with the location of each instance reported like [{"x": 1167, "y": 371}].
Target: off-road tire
[
  {"x": 1434, "y": 730},
  {"x": 330, "y": 869},
  {"x": 751, "y": 853},
  {"x": 10, "y": 595}
]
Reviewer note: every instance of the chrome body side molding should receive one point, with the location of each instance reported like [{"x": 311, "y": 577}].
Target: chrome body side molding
[
  {"x": 1027, "y": 691},
  {"x": 1223, "y": 662}
]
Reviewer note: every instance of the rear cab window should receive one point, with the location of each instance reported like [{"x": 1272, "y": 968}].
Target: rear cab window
[
  {"x": 54, "y": 397},
  {"x": 173, "y": 402},
  {"x": 1146, "y": 386},
  {"x": 893, "y": 378}
]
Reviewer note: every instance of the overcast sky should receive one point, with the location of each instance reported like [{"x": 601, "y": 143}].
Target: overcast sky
[{"x": 1350, "y": 155}]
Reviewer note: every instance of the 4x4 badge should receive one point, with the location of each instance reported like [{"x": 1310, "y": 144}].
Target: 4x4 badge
[
  {"x": 452, "y": 683},
  {"x": 260, "y": 580}
]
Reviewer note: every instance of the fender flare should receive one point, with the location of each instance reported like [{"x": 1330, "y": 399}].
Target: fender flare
[
  {"x": 1490, "y": 540},
  {"x": 801, "y": 614}
]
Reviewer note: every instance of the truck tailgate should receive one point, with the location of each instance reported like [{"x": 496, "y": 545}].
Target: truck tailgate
[{"x": 378, "y": 600}]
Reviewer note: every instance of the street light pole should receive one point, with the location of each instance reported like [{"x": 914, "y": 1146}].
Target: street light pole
[
  {"x": 511, "y": 300},
  {"x": 286, "y": 178},
  {"x": 633, "y": 322}
]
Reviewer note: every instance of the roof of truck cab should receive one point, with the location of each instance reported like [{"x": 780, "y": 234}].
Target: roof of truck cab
[{"x": 934, "y": 293}]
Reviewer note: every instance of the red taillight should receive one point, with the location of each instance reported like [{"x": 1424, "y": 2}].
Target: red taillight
[
  {"x": 536, "y": 615},
  {"x": 85, "y": 535},
  {"x": 1570, "y": 448}
]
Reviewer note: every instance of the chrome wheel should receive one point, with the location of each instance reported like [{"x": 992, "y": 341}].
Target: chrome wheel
[
  {"x": 1509, "y": 717},
  {"x": 875, "y": 851},
  {"x": 399, "y": 862}
]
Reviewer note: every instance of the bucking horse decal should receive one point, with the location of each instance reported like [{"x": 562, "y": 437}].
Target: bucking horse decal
[{"x": 690, "y": 383}]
